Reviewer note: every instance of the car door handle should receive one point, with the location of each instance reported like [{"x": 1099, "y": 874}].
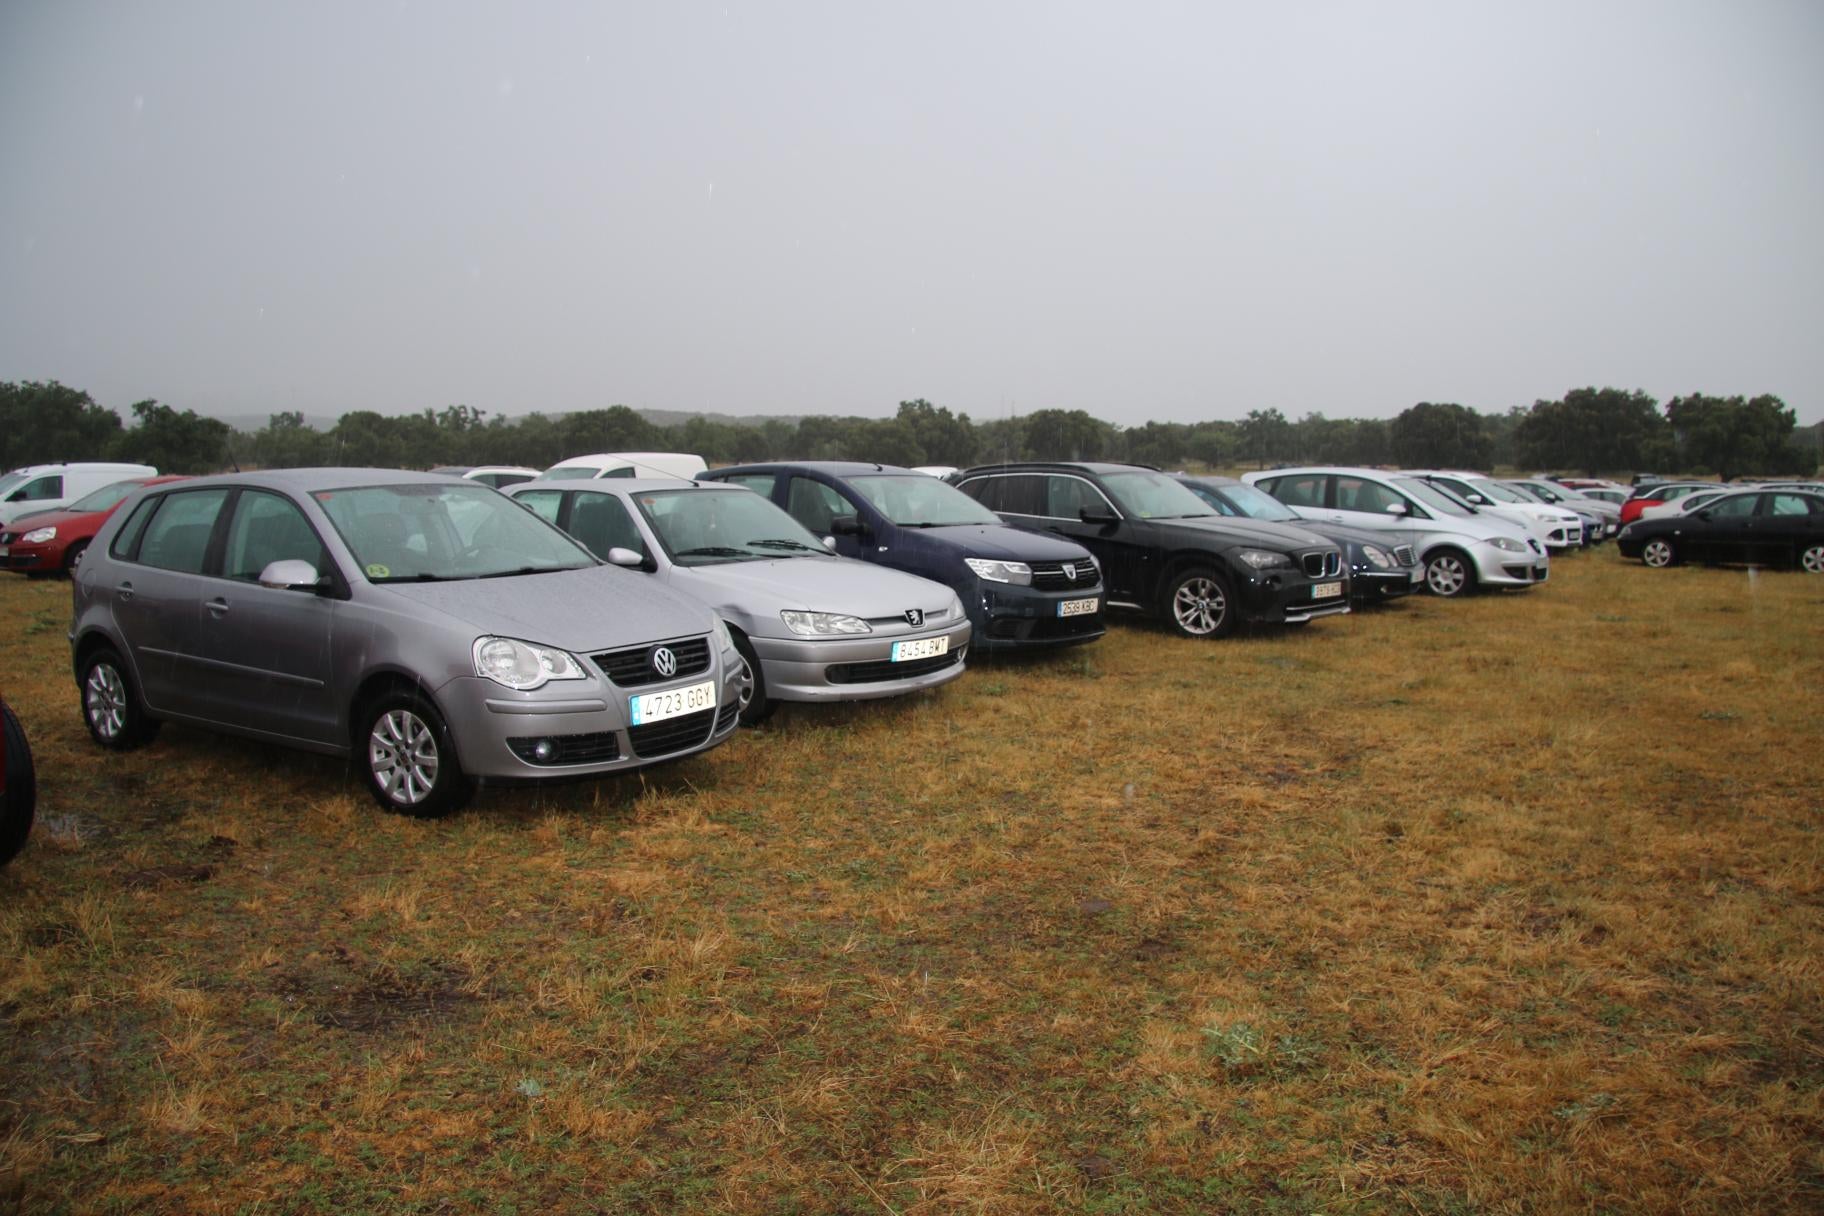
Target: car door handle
[
  {"x": 218, "y": 607},
  {"x": 126, "y": 591}
]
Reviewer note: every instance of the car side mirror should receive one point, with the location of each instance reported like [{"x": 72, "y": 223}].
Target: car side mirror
[
  {"x": 618, "y": 556},
  {"x": 1703, "y": 513},
  {"x": 829, "y": 542},
  {"x": 1090, "y": 515},
  {"x": 291, "y": 574},
  {"x": 846, "y": 525},
  {"x": 1396, "y": 508},
  {"x": 1478, "y": 500}
]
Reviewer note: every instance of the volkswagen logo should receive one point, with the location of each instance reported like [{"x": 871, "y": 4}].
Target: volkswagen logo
[
  {"x": 664, "y": 661},
  {"x": 1070, "y": 571},
  {"x": 915, "y": 617}
]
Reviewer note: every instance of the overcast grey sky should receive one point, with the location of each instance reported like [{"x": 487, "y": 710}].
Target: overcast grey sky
[{"x": 1145, "y": 211}]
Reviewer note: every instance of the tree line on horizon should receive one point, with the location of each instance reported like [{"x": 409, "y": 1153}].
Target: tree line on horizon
[{"x": 1588, "y": 430}]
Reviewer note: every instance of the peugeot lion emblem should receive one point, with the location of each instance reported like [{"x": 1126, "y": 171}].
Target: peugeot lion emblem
[
  {"x": 915, "y": 617},
  {"x": 665, "y": 662}
]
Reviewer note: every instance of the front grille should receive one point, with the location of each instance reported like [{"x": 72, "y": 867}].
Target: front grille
[
  {"x": 592, "y": 748},
  {"x": 1322, "y": 565},
  {"x": 23, "y": 561},
  {"x": 673, "y": 734},
  {"x": 1404, "y": 555},
  {"x": 886, "y": 669},
  {"x": 1050, "y": 576},
  {"x": 726, "y": 718},
  {"x": 633, "y": 667}
]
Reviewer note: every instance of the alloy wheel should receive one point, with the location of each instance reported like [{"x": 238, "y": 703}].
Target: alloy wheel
[
  {"x": 402, "y": 756},
  {"x": 1199, "y": 606}
]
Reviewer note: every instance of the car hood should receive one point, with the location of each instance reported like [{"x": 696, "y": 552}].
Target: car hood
[
  {"x": 814, "y": 584},
  {"x": 1387, "y": 542},
  {"x": 1228, "y": 529},
  {"x": 588, "y": 609},
  {"x": 56, "y": 517},
  {"x": 1003, "y": 543}
]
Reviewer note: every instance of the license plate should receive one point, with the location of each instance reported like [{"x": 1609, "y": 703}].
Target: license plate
[
  {"x": 923, "y": 648},
  {"x": 658, "y": 706},
  {"x": 1077, "y": 607},
  {"x": 1326, "y": 591}
]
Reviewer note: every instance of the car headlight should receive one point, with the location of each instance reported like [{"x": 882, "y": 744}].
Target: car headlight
[
  {"x": 1507, "y": 544},
  {"x": 523, "y": 666},
  {"x": 37, "y": 536},
  {"x": 1377, "y": 557},
  {"x": 1000, "y": 572},
  {"x": 1262, "y": 559},
  {"x": 823, "y": 624}
]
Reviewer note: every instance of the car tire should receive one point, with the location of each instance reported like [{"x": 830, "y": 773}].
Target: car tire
[
  {"x": 756, "y": 706},
  {"x": 408, "y": 757},
  {"x": 71, "y": 556},
  {"x": 20, "y": 800},
  {"x": 1449, "y": 573},
  {"x": 111, "y": 707},
  {"x": 1659, "y": 553},
  {"x": 1200, "y": 604},
  {"x": 1811, "y": 559}
]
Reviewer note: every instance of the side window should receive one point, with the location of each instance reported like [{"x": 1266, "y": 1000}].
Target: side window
[
  {"x": 814, "y": 504},
  {"x": 544, "y": 503},
  {"x": 127, "y": 538},
  {"x": 625, "y": 470},
  {"x": 985, "y": 490},
  {"x": 1734, "y": 507},
  {"x": 268, "y": 528},
  {"x": 1453, "y": 486},
  {"x": 1021, "y": 494},
  {"x": 1065, "y": 497},
  {"x": 1305, "y": 490},
  {"x": 759, "y": 483},
  {"x": 1786, "y": 504},
  {"x": 1356, "y": 494},
  {"x": 38, "y": 489},
  {"x": 178, "y": 536},
  {"x": 1214, "y": 502},
  {"x": 601, "y": 522}
]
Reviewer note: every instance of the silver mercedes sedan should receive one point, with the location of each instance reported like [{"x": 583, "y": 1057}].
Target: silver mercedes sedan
[
  {"x": 812, "y": 626},
  {"x": 426, "y": 626}
]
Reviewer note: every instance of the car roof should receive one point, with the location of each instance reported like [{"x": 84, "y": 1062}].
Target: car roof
[
  {"x": 309, "y": 480},
  {"x": 628, "y": 485},
  {"x": 1068, "y": 466},
  {"x": 1209, "y": 479},
  {"x": 834, "y": 468}
]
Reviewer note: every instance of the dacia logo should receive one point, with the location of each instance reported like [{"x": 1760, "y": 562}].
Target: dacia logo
[
  {"x": 1070, "y": 571},
  {"x": 665, "y": 662},
  {"x": 915, "y": 617}
]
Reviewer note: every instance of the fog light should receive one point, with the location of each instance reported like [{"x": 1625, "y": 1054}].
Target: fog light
[{"x": 544, "y": 751}]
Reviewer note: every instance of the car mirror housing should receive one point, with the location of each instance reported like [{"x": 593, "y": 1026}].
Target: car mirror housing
[
  {"x": 618, "y": 556},
  {"x": 291, "y": 574},
  {"x": 845, "y": 525},
  {"x": 1396, "y": 508},
  {"x": 829, "y": 542},
  {"x": 1091, "y": 515}
]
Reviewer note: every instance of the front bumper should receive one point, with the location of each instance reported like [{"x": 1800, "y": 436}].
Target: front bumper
[
  {"x": 1290, "y": 598},
  {"x": 1499, "y": 568},
  {"x": 586, "y": 723},
  {"x": 856, "y": 668},
  {"x": 1008, "y": 617},
  {"x": 1371, "y": 585},
  {"x": 28, "y": 558}
]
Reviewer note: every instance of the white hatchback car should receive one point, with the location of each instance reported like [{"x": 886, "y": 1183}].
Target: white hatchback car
[
  {"x": 1556, "y": 527},
  {"x": 1460, "y": 548}
]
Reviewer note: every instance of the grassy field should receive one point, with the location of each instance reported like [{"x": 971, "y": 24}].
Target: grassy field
[{"x": 1506, "y": 905}]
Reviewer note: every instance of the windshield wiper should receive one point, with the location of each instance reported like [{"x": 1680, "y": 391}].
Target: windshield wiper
[
  {"x": 786, "y": 544},
  {"x": 714, "y": 551},
  {"x": 525, "y": 570},
  {"x": 420, "y": 578}
]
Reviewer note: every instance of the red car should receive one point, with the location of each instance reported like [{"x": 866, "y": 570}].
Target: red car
[
  {"x": 1665, "y": 491},
  {"x": 49, "y": 542}
]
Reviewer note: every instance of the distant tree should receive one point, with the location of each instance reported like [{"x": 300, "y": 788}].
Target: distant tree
[
  {"x": 45, "y": 422},
  {"x": 1215, "y": 445},
  {"x": 1067, "y": 435},
  {"x": 1440, "y": 435},
  {"x": 615, "y": 429},
  {"x": 1000, "y": 439},
  {"x": 461, "y": 436},
  {"x": 1732, "y": 435},
  {"x": 1165, "y": 444},
  {"x": 943, "y": 437},
  {"x": 285, "y": 443},
  {"x": 173, "y": 442},
  {"x": 1266, "y": 436},
  {"x": 1591, "y": 430}
]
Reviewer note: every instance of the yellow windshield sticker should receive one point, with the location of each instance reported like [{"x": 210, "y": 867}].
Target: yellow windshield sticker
[{"x": 376, "y": 570}]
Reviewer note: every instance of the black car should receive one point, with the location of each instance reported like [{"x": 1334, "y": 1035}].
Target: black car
[
  {"x": 18, "y": 786},
  {"x": 1164, "y": 551},
  {"x": 1770, "y": 527},
  {"x": 1378, "y": 569},
  {"x": 1019, "y": 590}
]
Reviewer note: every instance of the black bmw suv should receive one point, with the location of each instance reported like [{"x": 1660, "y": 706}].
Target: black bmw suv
[{"x": 1167, "y": 552}]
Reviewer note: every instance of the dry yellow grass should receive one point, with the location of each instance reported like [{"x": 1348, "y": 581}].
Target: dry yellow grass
[{"x": 1505, "y": 905}]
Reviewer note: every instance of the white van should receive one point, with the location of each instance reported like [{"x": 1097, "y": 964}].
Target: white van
[
  {"x": 46, "y": 487},
  {"x": 627, "y": 464}
]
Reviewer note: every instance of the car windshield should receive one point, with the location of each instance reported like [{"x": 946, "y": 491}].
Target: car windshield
[
  {"x": 918, "y": 500},
  {"x": 437, "y": 531},
  {"x": 9, "y": 481},
  {"x": 702, "y": 527},
  {"x": 1258, "y": 504},
  {"x": 106, "y": 498},
  {"x": 1496, "y": 490},
  {"x": 1431, "y": 496},
  {"x": 1148, "y": 495}
]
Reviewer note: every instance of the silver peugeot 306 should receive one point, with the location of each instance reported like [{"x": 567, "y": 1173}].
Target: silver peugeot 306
[
  {"x": 812, "y": 626},
  {"x": 428, "y": 627}
]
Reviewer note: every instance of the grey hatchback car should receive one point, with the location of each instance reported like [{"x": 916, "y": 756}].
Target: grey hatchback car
[{"x": 429, "y": 627}]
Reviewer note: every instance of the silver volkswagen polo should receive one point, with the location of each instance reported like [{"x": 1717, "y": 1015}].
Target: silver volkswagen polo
[
  {"x": 427, "y": 626},
  {"x": 812, "y": 626}
]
